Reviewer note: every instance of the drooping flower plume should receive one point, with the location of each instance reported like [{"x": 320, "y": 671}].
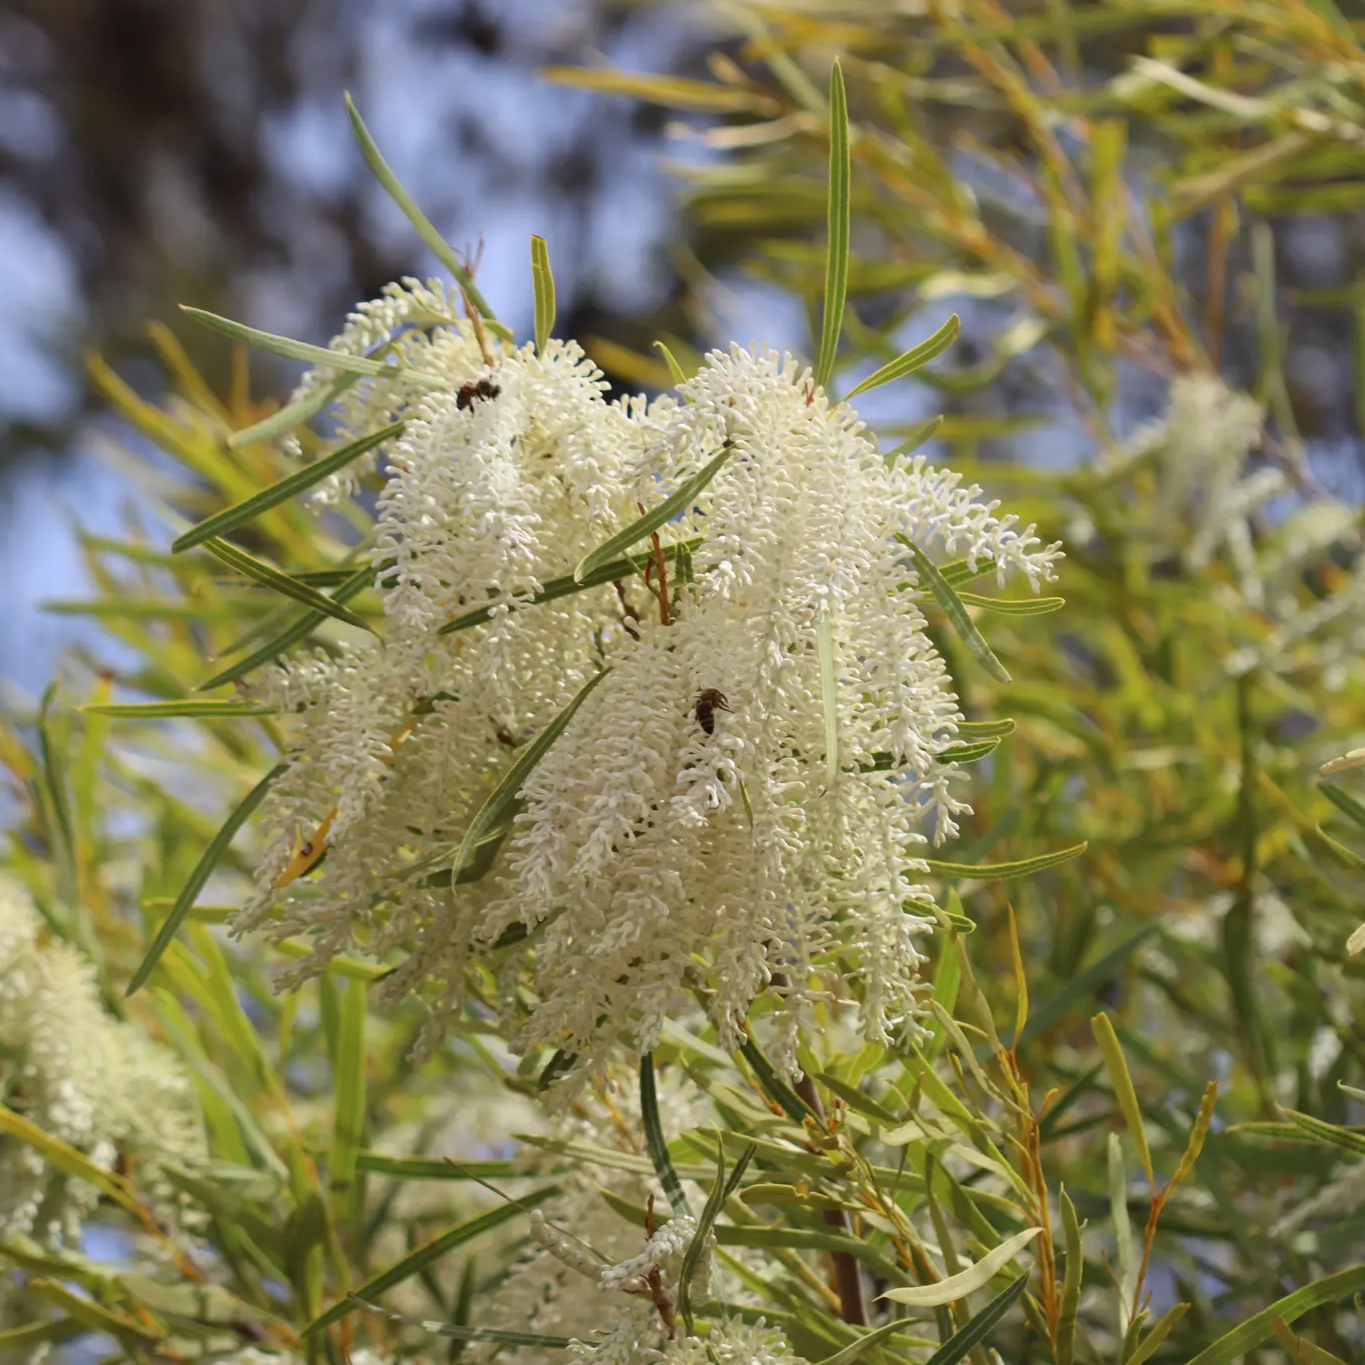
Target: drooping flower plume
[{"x": 743, "y": 801}]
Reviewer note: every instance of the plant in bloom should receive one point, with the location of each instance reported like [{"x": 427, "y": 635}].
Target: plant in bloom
[{"x": 742, "y": 803}]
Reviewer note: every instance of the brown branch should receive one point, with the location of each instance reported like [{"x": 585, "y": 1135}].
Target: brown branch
[{"x": 852, "y": 1300}]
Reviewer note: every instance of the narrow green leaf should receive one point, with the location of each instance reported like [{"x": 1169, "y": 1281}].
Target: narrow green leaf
[
  {"x": 23, "y": 1340},
  {"x": 232, "y": 517},
  {"x": 303, "y": 627},
  {"x": 270, "y": 577},
  {"x": 985, "y": 729},
  {"x": 839, "y": 220},
  {"x": 95, "y": 1316},
  {"x": 953, "y": 609},
  {"x": 1071, "y": 1282},
  {"x": 434, "y": 1168},
  {"x": 676, "y": 370},
  {"x": 65, "y": 1158},
  {"x": 1085, "y": 982},
  {"x": 1117, "y": 1066},
  {"x": 294, "y": 415},
  {"x": 854, "y": 1349},
  {"x": 655, "y": 1140},
  {"x": 967, "y": 753},
  {"x": 192, "y": 708},
  {"x": 348, "y": 1120},
  {"x": 200, "y": 875},
  {"x": 917, "y": 438},
  {"x": 1330, "y": 1133},
  {"x": 960, "y": 571},
  {"x": 721, "y": 1190},
  {"x": 496, "y": 806},
  {"x": 1013, "y": 606},
  {"x": 661, "y": 515},
  {"x": 972, "y": 1333},
  {"x": 430, "y": 1252},
  {"x": 1348, "y": 805},
  {"x": 791, "y": 1104},
  {"x": 855, "y": 1099},
  {"x": 568, "y": 584},
  {"x": 438, "y": 244},
  {"x": 1233, "y": 1345},
  {"x": 911, "y": 360},
  {"x": 462, "y": 1333},
  {"x": 543, "y": 286},
  {"x": 560, "y": 1064},
  {"x": 987, "y": 872},
  {"x": 301, "y": 350},
  {"x": 829, "y": 693},
  {"x": 975, "y": 1277},
  {"x": 1160, "y": 1330}
]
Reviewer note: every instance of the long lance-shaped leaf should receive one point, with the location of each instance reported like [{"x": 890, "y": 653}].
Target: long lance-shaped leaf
[
  {"x": 913, "y": 442},
  {"x": 1235, "y": 1344},
  {"x": 985, "y": 729},
  {"x": 1160, "y": 1330},
  {"x": 66, "y": 1158},
  {"x": 303, "y": 627},
  {"x": 911, "y": 360},
  {"x": 200, "y": 875},
  {"x": 968, "y": 1281},
  {"x": 238, "y": 515},
  {"x": 94, "y": 1315},
  {"x": 674, "y": 369},
  {"x": 1117, "y": 1066},
  {"x": 790, "y": 1102},
  {"x": 854, "y": 1349},
  {"x": 495, "y": 807},
  {"x": 972, "y": 1333},
  {"x": 23, "y": 1340},
  {"x": 430, "y": 1252},
  {"x": 568, "y": 584},
  {"x": 1013, "y": 606},
  {"x": 270, "y": 577},
  {"x": 442, "y": 250},
  {"x": 1071, "y": 1282},
  {"x": 462, "y": 1333},
  {"x": 721, "y": 1190},
  {"x": 294, "y": 415},
  {"x": 839, "y": 218},
  {"x": 661, "y": 515},
  {"x": 967, "y": 753},
  {"x": 192, "y": 708},
  {"x": 543, "y": 287},
  {"x": 302, "y": 350},
  {"x": 999, "y": 872},
  {"x": 1345, "y": 803},
  {"x": 953, "y": 609},
  {"x": 434, "y": 1168},
  {"x": 1328, "y": 1133},
  {"x": 655, "y": 1140}
]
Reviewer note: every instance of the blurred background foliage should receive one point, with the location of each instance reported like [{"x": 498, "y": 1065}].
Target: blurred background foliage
[{"x": 1114, "y": 197}]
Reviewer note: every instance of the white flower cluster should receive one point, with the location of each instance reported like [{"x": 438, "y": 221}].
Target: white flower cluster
[
  {"x": 740, "y": 803},
  {"x": 585, "y": 1255},
  {"x": 1205, "y": 495},
  {"x": 733, "y": 1342},
  {"x": 97, "y": 1084}
]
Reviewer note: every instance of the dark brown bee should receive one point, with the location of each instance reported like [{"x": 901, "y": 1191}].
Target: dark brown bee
[
  {"x": 479, "y": 388},
  {"x": 705, "y": 708}
]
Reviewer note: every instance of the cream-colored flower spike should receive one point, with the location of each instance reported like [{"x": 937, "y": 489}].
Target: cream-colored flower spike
[
  {"x": 662, "y": 851},
  {"x": 743, "y": 801}
]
